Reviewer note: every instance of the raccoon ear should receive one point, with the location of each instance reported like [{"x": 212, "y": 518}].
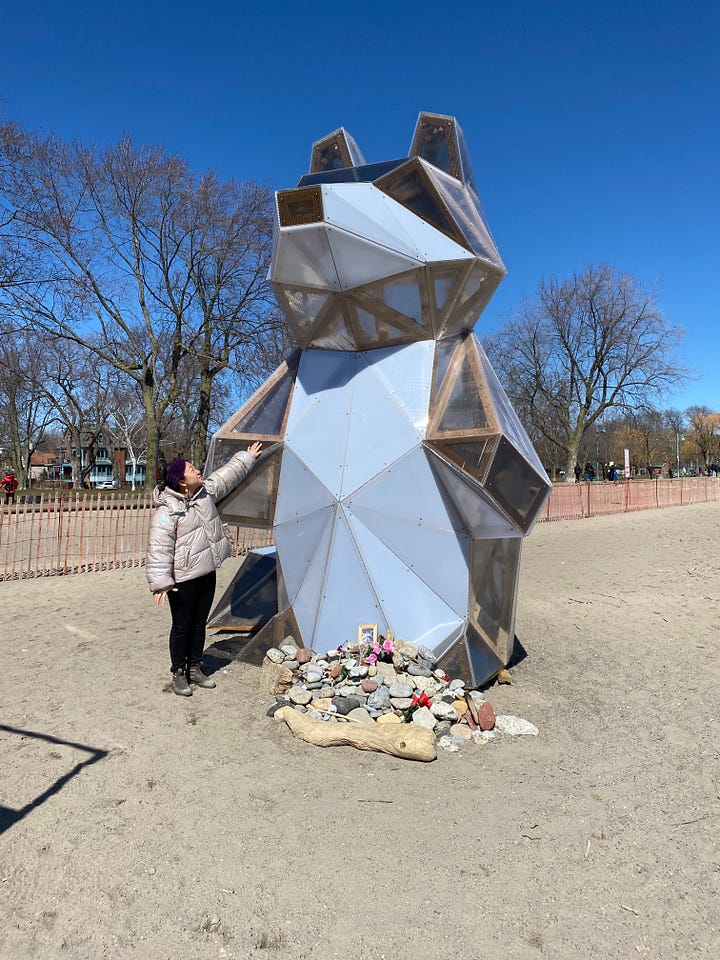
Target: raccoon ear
[
  {"x": 334, "y": 152},
  {"x": 440, "y": 140}
]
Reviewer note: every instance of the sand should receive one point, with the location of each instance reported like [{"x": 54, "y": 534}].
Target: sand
[{"x": 139, "y": 824}]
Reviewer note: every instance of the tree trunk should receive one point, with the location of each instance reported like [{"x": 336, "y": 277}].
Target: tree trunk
[
  {"x": 153, "y": 434},
  {"x": 199, "y": 449}
]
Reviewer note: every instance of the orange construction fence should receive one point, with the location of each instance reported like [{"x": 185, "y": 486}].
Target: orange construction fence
[{"x": 50, "y": 535}]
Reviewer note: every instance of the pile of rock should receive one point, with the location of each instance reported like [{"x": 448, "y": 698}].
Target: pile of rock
[{"x": 405, "y": 685}]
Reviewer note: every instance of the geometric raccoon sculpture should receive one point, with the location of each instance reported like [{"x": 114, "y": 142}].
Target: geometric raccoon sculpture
[{"x": 395, "y": 474}]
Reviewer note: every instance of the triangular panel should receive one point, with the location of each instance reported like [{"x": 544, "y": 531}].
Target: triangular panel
[
  {"x": 413, "y": 610},
  {"x": 409, "y": 511},
  {"x": 253, "y": 501},
  {"x": 299, "y": 492},
  {"x": 508, "y": 421},
  {"x": 481, "y": 517},
  {"x": 484, "y": 663},
  {"x": 439, "y": 140},
  {"x": 301, "y": 306},
  {"x": 463, "y": 408},
  {"x": 360, "y": 261},
  {"x": 336, "y": 151},
  {"x": 460, "y": 202},
  {"x": 379, "y": 431},
  {"x": 411, "y": 186},
  {"x": 303, "y": 543},
  {"x": 250, "y": 599},
  {"x": 267, "y": 415},
  {"x": 362, "y": 209},
  {"x": 348, "y": 598},
  {"x": 456, "y": 662},
  {"x": 303, "y": 259},
  {"x": 333, "y": 330},
  {"x": 406, "y": 374},
  {"x": 463, "y": 312},
  {"x": 494, "y": 567},
  {"x": 516, "y": 486}
]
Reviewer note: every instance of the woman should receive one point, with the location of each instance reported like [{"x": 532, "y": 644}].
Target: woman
[{"x": 188, "y": 542}]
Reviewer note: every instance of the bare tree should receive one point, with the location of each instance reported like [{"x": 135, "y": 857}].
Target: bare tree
[
  {"x": 582, "y": 347},
  {"x": 26, "y": 413},
  {"x": 127, "y": 254},
  {"x": 704, "y": 433}
]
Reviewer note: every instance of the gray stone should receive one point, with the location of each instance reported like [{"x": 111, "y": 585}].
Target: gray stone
[
  {"x": 440, "y": 675},
  {"x": 401, "y": 703},
  {"x": 379, "y": 698},
  {"x": 277, "y": 656},
  {"x": 289, "y": 649},
  {"x": 313, "y": 675},
  {"x": 515, "y": 726},
  {"x": 456, "y": 684},
  {"x": 409, "y": 651},
  {"x": 443, "y": 711},
  {"x": 299, "y": 695},
  {"x": 426, "y": 654},
  {"x": 442, "y": 729},
  {"x": 275, "y": 707},
  {"x": 343, "y": 705},
  {"x": 476, "y": 696},
  {"x": 419, "y": 670},
  {"x": 424, "y": 718},
  {"x": 317, "y": 685},
  {"x": 400, "y": 690},
  {"x": 361, "y": 714},
  {"x": 300, "y": 708},
  {"x": 291, "y": 664},
  {"x": 448, "y": 744}
]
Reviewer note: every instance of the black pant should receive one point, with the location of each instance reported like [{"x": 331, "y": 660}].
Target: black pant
[{"x": 190, "y": 606}]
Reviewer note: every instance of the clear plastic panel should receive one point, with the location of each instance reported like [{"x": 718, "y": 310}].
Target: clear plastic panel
[
  {"x": 401, "y": 294},
  {"x": 333, "y": 331},
  {"x": 472, "y": 456},
  {"x": 360, "y": 261},
  {"x": 251, "y": 597},
  {"x": 267, "y": 415},
  {"x": 299, "y": 490},
  {"x": 348, "y": 598},
  {"x": 456, "y": 662},
  {"x": 494, "y": 566},
  {"x": 484, "y": 663},
  {"x": 406, "y": 372},
  {"x": 379, "y": 431},
  {"x": 480, "y": 516},
  {"x": 282, "y": 626},
  {"x": 513, "y": 484},
  {"x": 464, "y": 410},
  {"x": 460, "y": 203},
  {"x": 303, "y": 259},
  {"x": 254, "y": 501},
  {"x": 412, "y": 609},
  {"x": 302, "y": 305},
  {"x": 362, "y": 209},
  {"x": 411, "y": 187},
  {"x": 508, "y": 419},
  {"x": 444, "y": 352}
]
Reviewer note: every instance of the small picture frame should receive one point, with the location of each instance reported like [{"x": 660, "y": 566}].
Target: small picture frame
[{"x": 367, "y": 634}]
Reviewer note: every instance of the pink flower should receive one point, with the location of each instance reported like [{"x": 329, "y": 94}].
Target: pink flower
[
  {"x": 387, "y": 646},
  {"x": 371, "y": 659}
]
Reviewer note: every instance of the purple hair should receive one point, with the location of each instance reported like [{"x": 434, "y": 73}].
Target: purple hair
[{"x": 175, "y": 473}]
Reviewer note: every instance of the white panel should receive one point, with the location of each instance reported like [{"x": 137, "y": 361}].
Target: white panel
[
  {"x": 306, "y": 601},
  {"x": 379, "y": 431},
  {"x": 303, "y": 259},
  {"x": 319, "y": 416},
  {"x": 359, "y": 208},
  {"x": 406, "y": 373},
  {"x": 413, "y": 610},
  {"x": 408, "y": 509},
  {"x": 303, "y": 543},
  {"x": 299, "y": 491},
  {"x": 483, "y": 519},
  {"x": 348, "y": 598},
  {"x": 360, "y": 261}
]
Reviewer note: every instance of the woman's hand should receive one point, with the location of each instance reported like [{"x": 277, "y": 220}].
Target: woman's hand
[
  {"x": 255, "y": 448},
  {"x": 159, "y": 598}
]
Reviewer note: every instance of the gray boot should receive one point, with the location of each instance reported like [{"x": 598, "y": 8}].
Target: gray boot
[
  {"x": 180, "y": 684},
  {"x": 196, "y": 676}
]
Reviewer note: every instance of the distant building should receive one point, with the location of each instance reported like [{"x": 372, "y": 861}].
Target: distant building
[{"x": 111, "y": 466}]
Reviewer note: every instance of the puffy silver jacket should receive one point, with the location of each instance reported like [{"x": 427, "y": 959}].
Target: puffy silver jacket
[{"x": 187, "y": 537}]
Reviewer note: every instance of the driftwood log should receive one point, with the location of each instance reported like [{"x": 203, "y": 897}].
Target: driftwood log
[{"x": 407, "y": 741}]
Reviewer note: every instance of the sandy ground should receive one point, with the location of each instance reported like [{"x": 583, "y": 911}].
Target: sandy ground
[{"x": 135, "y": 818}]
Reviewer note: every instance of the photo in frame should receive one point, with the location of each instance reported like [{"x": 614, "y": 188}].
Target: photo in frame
[{"x": 367, "y": 634}]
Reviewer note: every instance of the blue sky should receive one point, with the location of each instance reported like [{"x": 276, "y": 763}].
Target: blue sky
[{"x": 593, "y": 127}]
